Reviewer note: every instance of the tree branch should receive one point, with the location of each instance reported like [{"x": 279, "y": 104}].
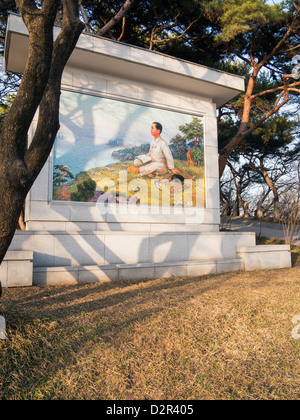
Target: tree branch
[
  {"x": 178, "y": 36},
  {"x": 289, "y": 87},
  {"x": 124, "y": 9},
  {"x": 84, "y": 15},
  {"x": 26, "y": 6},
  {"x": 123, "y": 28},
  {"x": 282, "y": 41},
  {"x": 40, "y": 27},
  {"x": 48, "y": 122}
]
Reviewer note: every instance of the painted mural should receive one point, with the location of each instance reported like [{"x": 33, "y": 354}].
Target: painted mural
[{"x": 115, "y": 151}]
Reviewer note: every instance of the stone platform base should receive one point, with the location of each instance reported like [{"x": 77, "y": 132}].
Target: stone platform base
[
  {"x": 53, "y": 258},
  {"x": 107, "y": 273},
  {"x": 263, "y": 257},
  {"x": 16, "y": 269}
]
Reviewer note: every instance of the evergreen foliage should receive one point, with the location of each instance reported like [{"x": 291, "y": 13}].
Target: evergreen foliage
[
  {"x": 253, "y": 38},
  {"x": 85, "y": 190},
  {"x": 61, "y": 174}
]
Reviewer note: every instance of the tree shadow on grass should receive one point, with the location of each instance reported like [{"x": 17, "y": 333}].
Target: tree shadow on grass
[
  {"x": 51, "y": 328},
  {"x": 109, "y": 306}
]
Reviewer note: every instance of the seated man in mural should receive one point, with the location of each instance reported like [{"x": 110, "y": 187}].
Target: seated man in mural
[{"x": 159, "y": 160}]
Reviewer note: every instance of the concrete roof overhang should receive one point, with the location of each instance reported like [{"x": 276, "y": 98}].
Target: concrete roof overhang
[{"x": 101, "y": 55}]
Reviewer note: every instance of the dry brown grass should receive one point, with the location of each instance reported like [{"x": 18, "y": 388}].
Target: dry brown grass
[{"x": 213, "y": 337}]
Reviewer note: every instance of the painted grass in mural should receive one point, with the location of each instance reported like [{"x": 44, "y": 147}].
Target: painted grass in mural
[{"x": 120, "y": 152}]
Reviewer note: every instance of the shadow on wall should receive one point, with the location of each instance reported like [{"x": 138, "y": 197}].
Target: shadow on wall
[
  {"x": 80, "y": 253},
  {"x": 94, "y": 248}
]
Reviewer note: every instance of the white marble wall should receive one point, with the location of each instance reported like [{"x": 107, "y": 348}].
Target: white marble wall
[
  {"x": 42, "y": 213},
  {"x": 68, "y": 242},
  {"x": 60, "y": 249}
]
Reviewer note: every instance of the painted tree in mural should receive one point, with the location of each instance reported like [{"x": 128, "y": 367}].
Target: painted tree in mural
[
  {"x": 85, "y": 190},
  {"x": 61, "y": 175},
  {"x": 189, "y": 145},
  {"x": 193, "y": 135}
]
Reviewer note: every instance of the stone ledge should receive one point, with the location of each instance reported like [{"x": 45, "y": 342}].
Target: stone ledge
[
  {"x": 107, "y": 273},
  {"x": 18, "y": 256},
  {"x": 65, "y": 249},
  {"x": 263, "y": 248},
  {"x": 138, "y": 232},
  {"x": 265, "y": 257},
  {"x": 98, "y": 227},
  {"x": 16, "y": 269}
]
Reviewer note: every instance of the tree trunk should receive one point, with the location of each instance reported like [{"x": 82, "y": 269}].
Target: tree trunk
[
  {"x": 226, "y": 206},
  {"x": 40, "y": 87},
  {"x": 259, "y": 210},
  {"x": 273, "y": 188},
  {"x": 246, "y": 209},
  {"x": 241, "y": 134},
  {"x": 11, "y": 204}
]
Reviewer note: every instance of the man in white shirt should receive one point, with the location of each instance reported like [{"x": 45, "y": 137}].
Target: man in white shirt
[{"x": 159, "y": 160}]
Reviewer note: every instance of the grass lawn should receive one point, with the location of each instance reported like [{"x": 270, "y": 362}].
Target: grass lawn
[{"x": 214, "y": 337}]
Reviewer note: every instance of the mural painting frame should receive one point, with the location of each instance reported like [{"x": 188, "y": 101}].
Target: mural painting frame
[{"x": 169, "y": 184}]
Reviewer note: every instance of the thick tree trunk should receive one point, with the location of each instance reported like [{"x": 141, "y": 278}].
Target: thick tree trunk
[
  {"x": 11, "y": 204},
  {"x": 243, "y": 129},
  {"x": 40, "y": 87}
]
